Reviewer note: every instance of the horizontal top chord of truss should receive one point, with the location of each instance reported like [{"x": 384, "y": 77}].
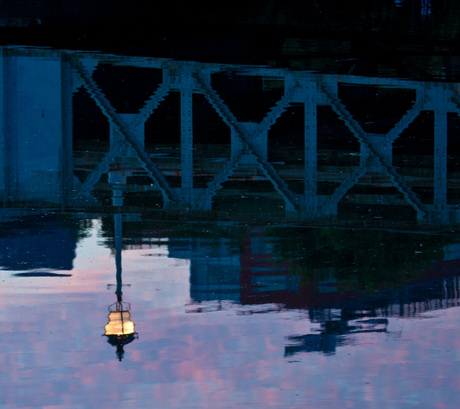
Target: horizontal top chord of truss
[{"x": 204, "y": 67}]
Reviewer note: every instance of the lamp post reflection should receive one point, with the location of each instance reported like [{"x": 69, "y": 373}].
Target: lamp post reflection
[{"x": 120, "y": 328}]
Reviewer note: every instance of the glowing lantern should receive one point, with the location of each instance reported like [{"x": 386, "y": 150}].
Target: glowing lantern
[
  {"x": 120, "y": 323},
  {"x": 120, "y": 328}
]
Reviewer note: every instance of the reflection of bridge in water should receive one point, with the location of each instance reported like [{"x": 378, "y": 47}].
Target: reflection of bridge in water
[{"x": 370, "y": 163}]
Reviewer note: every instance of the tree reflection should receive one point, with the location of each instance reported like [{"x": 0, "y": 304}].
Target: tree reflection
[{"x": 368, "y": 259}]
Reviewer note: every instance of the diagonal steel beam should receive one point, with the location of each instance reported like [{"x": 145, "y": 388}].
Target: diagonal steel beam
[
  {"x": 405, "y": 121},
  {"x": 344, "y": 187},
  {"x": 268, "y": 170},
  {"x": 220, "y": 178},
  {"x": 152, "y": 104},
  {"x": 397, "y": 180},
  {"x": 102, "y": 167},
  {"x": 277, "y": 110},
  {"x": 96, "y": 94}
]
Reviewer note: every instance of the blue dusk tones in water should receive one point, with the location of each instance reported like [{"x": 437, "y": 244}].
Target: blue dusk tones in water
[{"x": 180, "y": 233}]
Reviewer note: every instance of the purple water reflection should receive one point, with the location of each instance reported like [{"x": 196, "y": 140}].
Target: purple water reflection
[{"x": 53, "y": 353}]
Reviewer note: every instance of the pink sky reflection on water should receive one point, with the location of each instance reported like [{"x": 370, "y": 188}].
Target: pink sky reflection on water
[{"x": 53, "y": 353}]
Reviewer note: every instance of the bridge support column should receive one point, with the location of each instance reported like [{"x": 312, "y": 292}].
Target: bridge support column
[
  {"x": 2, "y": 132},
  {"x": 9, "y": 146}
]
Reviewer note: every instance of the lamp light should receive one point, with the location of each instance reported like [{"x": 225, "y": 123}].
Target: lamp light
[{"x": 120, "y": 328}]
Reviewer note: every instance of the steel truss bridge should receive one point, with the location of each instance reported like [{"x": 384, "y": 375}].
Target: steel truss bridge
[{"x": 249, "y": 140}]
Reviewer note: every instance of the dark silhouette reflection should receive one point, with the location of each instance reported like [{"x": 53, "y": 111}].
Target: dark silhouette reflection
[
  {"x": 119, "y": 341},
  {"x": 333, "y": 334},
  {"x": 40, "y": 274},
  {"x": 120, "y": 328},
  {"x": 355, "y": 314},
  {"x": 41, "y": 242}
]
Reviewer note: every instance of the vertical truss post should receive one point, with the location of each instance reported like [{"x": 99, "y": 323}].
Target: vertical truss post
[
  {"x": 311, "y": 168},
  {"x": 440, "y": 148},
  {"x": 186, "y": 116},
  {"x": 67, "y": 130},
  {"x": 331, "y": 85}
]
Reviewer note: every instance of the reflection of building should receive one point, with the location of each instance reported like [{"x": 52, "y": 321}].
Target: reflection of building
[
  {"x": 42, "y": 244},
  {"x": 262, "y": 278},
  {"x": 254, "y": 277},
  {"x": 340, "y": 309},
  {"x": 214, "y": 267},
  {"x": 219, "y": 271}
]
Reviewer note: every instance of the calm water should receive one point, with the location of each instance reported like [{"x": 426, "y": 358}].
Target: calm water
[
  {"x": 182, "y": 234},
  {"x": 227, "y": 317}
]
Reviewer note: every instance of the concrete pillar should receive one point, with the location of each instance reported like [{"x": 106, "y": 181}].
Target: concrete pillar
[
  {"x": 2, "y": 131},
  {"x": 10, "y": 143},
  {"x": 34, "y": 128}
]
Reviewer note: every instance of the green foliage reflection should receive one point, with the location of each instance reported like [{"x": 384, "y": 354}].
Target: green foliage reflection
[{"x": 368, "y": 259}]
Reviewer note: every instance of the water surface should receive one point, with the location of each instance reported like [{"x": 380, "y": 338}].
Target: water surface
[{"x": 278, "y": 238}]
